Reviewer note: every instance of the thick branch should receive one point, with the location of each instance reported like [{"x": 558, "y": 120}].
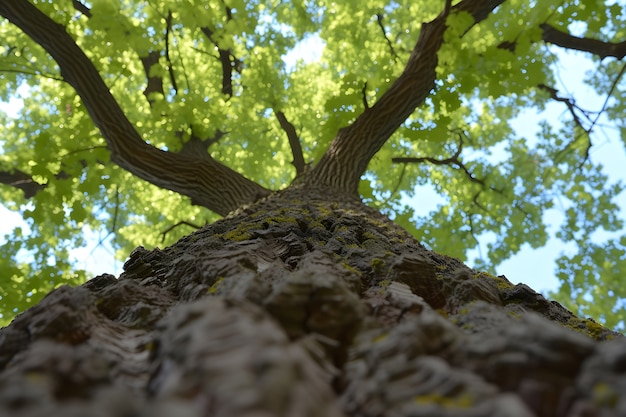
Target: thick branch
[
  {"x": 594, "y": 46},
  {"x": 205, "y": 181},
  {"x": 21, "y": 180},
  {"x": 294, "y": 141},
  {"x": 347, "y": 158}
]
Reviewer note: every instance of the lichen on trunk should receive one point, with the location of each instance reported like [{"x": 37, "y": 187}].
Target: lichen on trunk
[{"x": 304, "y": 304}]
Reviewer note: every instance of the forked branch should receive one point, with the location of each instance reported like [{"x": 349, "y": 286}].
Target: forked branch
[
  {"x": 347, "y": 157},
  {"x": 207, "y": 182}
]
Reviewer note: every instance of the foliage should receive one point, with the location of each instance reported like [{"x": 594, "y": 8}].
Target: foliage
[{"x": 494, "y": 183}]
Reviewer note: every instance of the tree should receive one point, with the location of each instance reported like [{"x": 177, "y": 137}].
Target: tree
[
  {"x": 64, "y": 176},
  {"x": 302, "y": 300}
]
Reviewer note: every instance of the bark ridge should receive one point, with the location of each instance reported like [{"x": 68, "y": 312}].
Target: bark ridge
[{"x": 304, "y": 307}]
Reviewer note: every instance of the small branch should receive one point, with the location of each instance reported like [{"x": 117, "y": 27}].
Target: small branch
[
  {"x": 602, "y": 110},
  {"x": 473, "y": 235},
  {"x": 81, "y": 8},
  {"x": 25, "y": 182},
  {"x": 114, "y": 220},
  {"x": 294, "y": 141},
  {"x": 364, "y": 92},
  {"x": 379, "y": 19},
  {"x": 170, "y": 68},
  {"x": 448, "y": 161},
  {"x": 594, "y": 46},
  {"x": 571, "y": 105},
  {"x": 573, "y": 108},
  {"x": 452, "y": 161},
  {"x": 478, "y": 204},
  {"x": 21, "y": 180},
  {"x": 609, "y": 94},
  {"x": 174, "y": 226},
  {"x": 397, "y": 187},
  {"x": 155, "y": 84},
  {"x": 33, "y": 72},
  {"x": 227, "y": 59}
]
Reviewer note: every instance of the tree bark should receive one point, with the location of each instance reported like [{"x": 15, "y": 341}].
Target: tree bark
[
  {"x": 305, "y": 304},
  {"x": 351, "y": 150}
]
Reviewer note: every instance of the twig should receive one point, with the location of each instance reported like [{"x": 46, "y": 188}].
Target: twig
[{"x": 294, "y": 141}]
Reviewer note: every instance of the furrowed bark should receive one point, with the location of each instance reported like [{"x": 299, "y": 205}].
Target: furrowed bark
[
  {"x": 347, "y": 157},
  {"x": 206, "y": 181},
  {"x": 303, "y": 306}
]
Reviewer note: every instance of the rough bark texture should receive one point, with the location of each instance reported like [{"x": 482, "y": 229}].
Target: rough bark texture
[
  {"x": 306, "y": 303},
  {"x": 305, "y": 306}
]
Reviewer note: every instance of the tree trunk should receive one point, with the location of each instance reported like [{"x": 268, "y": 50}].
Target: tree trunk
[{"x": 305, "y": 304}]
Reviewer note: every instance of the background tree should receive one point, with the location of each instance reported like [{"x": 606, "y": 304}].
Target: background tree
[{"x": 303, "y": 301}]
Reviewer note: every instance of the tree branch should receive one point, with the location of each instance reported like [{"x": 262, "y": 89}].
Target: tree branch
[
  {"x": 570, "y": 103},
  {"x": 21, "y": 180},
  {"x": 452, "y": 161},
  {"x": 594, "y": 46},
  {"x": 199, "y": 147},
  {"x": 177, "y": 225},
  {"x": 226, "y": 57},
  {"x": 379, "y": 19},
  {"x": 82, "y": 8},
  {"x": 573, "y": 107},
  {"x": 207, "y": 182},
  {"x": 170, "y": 67},
  {"x": 366, "y": 105},
  {"x": 349, "y": 153},
  {"x": 155, "y": 83},
  {"x": 227, "y": 64},
  {"x": 294, "y": 141}
]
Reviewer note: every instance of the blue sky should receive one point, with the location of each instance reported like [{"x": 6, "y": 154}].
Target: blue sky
[{"x": 534, "y": 267}]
